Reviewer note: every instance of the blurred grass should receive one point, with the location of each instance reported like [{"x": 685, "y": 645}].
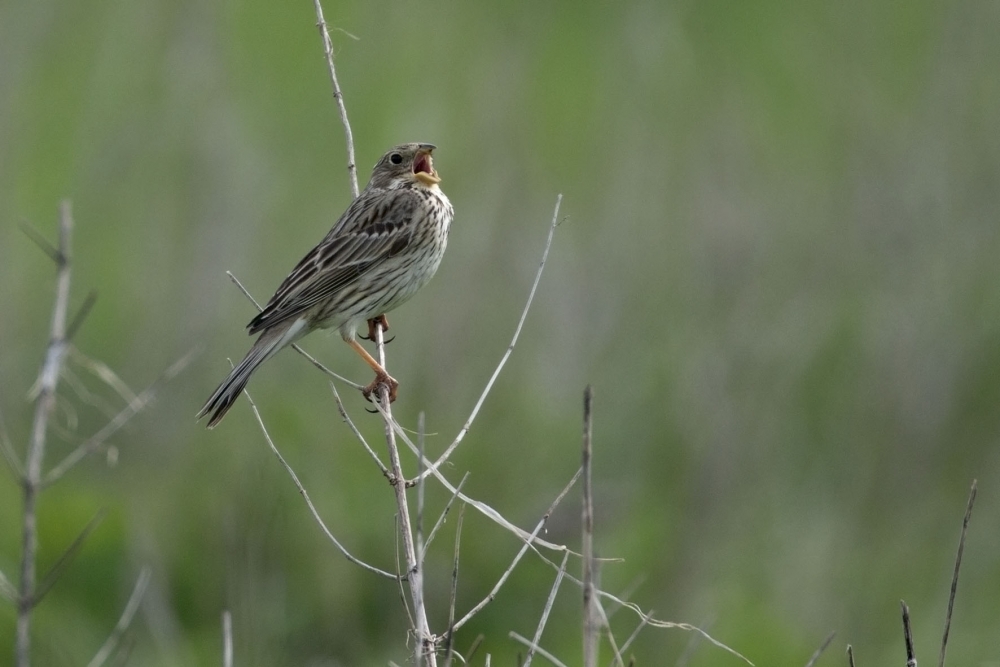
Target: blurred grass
[{"x": 778, "y": 267}]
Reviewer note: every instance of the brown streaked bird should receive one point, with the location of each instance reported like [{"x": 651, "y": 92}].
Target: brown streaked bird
[{"x": 387, "y": 245}]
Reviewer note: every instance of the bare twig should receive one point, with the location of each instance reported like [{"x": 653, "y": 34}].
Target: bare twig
[
  {"x": 480, "y": 506},
  {"x": 45, "y": 403},
  {"x": 449, "y": 636},
  {"x": 520, "y": 554},
  {"x": 685, "y": 656},
  {"x": 510, "y": 348},
  {"x": 475, "y": 647},
  {"x": 414, "y": 574},
  {"x": 43, "y": 244},
  {"x": 850, "y": 656},
  {"x": 104, "y": 373},
  {"x": 400, "y": 577},
  {"x": 81, "y": 315},
  {"x": 441, "y": 519},
  {"x": 49, "y": 580},
  {"x": 822, "y": 647},
  {"x": 305, "y": 496},
  {"x": 911, "y": 661},
  {"x": 7, "y": 589},
  {"x": 352, "y": 169},
  {"x": 227, "y": 639},
  {"x": 545, "y": 612},
  {"x": 357, "y": 433},
  {"x": 315, "y": 362},
  {"x": 589, "y": 621},
  {"x": 126, "y": 619},
  {"x": 7, "y": 449},
  {"x": 635, "y": 633},
  {"x": 954, "y": 577},
  {"x": 421, "y": 488},
  {"x": 538, "y": 649},
  {"x": 96, "y": 441},
  {"x": 603, "y": 618}
]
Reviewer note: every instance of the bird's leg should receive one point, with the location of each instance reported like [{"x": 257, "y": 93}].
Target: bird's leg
[
  {"x": 379, "y": 320},
  {"x": 381, "y": 375}
]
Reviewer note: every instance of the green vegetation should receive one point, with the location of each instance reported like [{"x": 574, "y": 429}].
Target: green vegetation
[{"x": 779, "y": 268}]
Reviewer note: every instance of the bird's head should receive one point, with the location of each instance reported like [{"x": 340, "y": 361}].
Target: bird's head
[{"x": 405, "y": 165}]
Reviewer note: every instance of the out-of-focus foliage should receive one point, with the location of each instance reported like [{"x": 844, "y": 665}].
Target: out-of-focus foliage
[{"x": 779, "y": 267}]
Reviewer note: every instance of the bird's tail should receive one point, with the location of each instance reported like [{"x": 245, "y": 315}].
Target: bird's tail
[{"x": 269, "y": 343}]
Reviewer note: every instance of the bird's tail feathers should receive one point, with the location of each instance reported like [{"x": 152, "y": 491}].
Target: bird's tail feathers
[{"x": 269, "y": 343}]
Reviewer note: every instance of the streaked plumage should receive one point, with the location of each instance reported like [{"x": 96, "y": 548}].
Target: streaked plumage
[{"x": 385, "y": 247}]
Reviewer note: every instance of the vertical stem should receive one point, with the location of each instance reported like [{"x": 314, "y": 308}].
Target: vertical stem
[
  {"x": 414, "y": 573},
  {"x": 352, "y": 168},
  {"x": 589, "y": 613},
  {"x": 44, "y": 405}
]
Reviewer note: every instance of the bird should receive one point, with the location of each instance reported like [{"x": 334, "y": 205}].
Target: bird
[{"x": 386, "y": 246}]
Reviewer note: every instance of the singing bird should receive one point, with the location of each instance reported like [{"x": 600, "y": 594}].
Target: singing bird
[{"x": 386, "y": 246}]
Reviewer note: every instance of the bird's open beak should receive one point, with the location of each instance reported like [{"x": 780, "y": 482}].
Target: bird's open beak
[{"x": 423, "y": 166}]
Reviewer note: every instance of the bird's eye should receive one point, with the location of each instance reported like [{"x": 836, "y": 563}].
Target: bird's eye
[{"x": 396, "y": 158}]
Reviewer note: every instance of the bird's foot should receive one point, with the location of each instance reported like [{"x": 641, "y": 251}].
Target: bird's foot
[
  {"x": 381, "y": 379},
  {"x": 380, "y": 320}
]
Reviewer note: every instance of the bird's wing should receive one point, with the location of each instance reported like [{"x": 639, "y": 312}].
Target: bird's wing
[{"x": 377, "y": 225}]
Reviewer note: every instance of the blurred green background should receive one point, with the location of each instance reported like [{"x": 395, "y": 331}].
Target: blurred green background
[{"x": 779, "y": 267}]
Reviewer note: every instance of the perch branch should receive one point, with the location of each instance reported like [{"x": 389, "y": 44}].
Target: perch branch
[{"x": 414, "y": 574}]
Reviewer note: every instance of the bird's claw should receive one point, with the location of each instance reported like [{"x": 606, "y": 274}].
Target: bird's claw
[
  {"x": 373, "y": 388},
  {"x": 380, "y": 320}
]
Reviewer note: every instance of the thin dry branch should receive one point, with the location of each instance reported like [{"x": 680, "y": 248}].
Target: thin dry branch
[
  {"x": 590, "y": 626},
  {"x": 911, "y": 661},
  {"x": 635, "y": 634},
  {"x": 599, "y": 608},
  {"x": 850, "y": 656},
  {"x": 227, "y": 639},
  {"x": 7, "y": 589},
  {"x": 954, "y": 577},
  {"x": 315, "y": 362},
  {"x": 126, "y": 618},
  {"x": 441, "y": 519},
  {"x": 421, "y": 489},
  {"x": 538, "y": 649},
  {"x": 48, "y": 380},
  {"x": 480, "y": 506},
  {"x": 50, "y": 578},
  {"x": 357, "y": 433},
  {"x": 545, "y": 612},
  {"x": 305, "y": 495},
  {"x": 520, "y": 554},
  {"x": 414, "y": 573},
  {"x": 510, "y": 348},
  {"x": 822, "y": 647},
  {"x": 7, "y": 449},
  {"x": 352, "y": 169},
  {"x": 449, "y": 635}
]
